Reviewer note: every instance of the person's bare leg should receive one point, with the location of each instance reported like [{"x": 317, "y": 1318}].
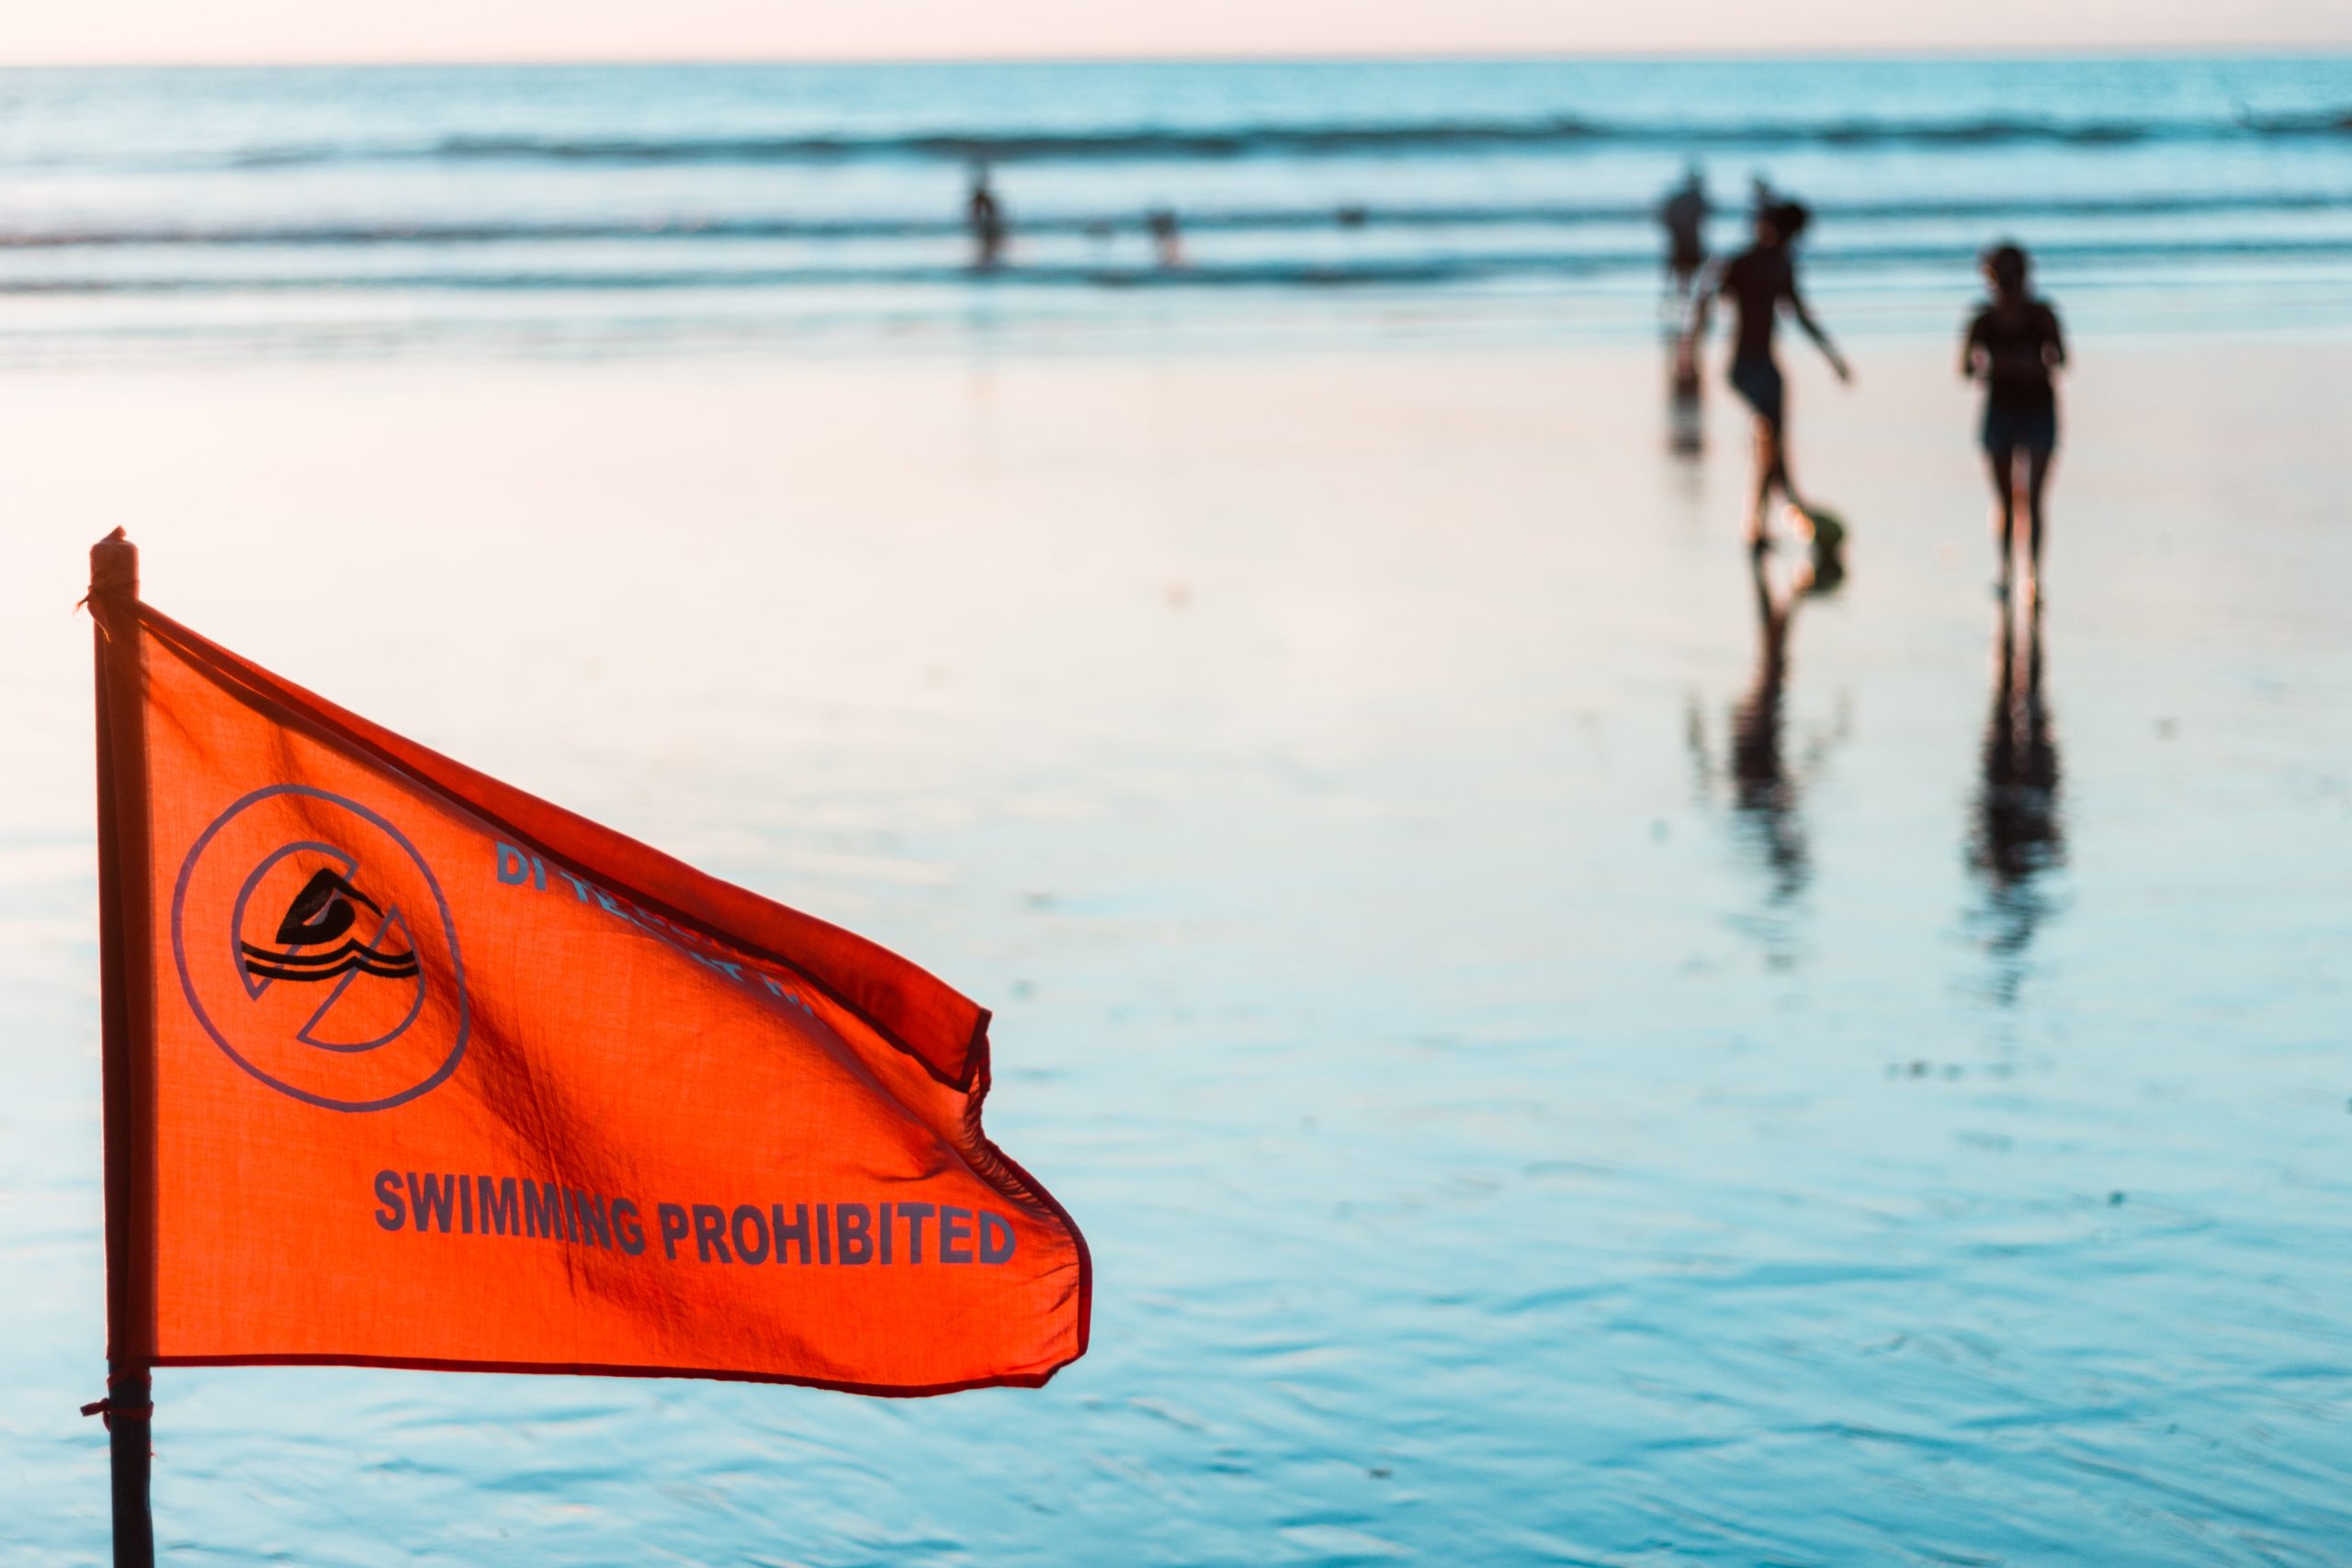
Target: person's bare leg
[
  {"x": 1767, "y": 465},
  {"x": 1781, "y": 471},
  {"x": 2005, "y": 497},
  {"x": 2037, "y": 472}
]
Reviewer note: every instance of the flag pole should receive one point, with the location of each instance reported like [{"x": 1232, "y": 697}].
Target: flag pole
[{"x": 126, "y": 988}]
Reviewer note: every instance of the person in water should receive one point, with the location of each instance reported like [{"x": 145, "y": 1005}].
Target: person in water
[
  {"x": 987, "y": 219},
  {"x": 1684, "y": 216},
  {"x": 1167, "y": 238},
  {"x": 2013, "y": 344},
  {"x": 1760, "y": 282}
]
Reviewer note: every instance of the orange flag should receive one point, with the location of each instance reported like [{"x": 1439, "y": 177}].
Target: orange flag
[{"x": 407, "y": 1067}]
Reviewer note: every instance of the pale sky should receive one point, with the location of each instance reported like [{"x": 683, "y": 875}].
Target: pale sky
[{"x": 66, "y": 31}]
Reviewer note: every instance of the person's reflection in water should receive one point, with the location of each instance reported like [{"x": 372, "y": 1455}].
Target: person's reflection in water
[
  {"x": 2016, "y": 833},
  {"x": 1685, "y": 414},
  {"x": 1765, "y": 788},
  {"x": 1763, "y": 792}
]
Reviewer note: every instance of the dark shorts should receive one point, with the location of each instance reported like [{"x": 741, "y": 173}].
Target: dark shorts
[
  {"x": 2010, "y": 429},
  {"x": 1759, "y": 380}
]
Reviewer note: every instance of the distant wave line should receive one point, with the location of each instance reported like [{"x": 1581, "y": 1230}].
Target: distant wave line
[
  {"x": 1158, "y": 144},
  {"x": 1340, "y": 215},
  {"x": 1368, "y": 272}
]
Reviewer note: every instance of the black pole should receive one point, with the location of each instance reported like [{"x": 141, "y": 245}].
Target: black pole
[
  {"x": 126, "y": 989},
  {"x": 132, "y": 1450}
]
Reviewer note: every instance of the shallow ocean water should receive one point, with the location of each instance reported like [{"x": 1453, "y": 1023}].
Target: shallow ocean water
[
  {"x": 232, "y": 214},
  {"x": 1522, "y": 1108}
]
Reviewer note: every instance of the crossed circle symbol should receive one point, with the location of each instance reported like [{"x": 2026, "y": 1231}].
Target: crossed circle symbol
[{"x": 316, "y": 949}]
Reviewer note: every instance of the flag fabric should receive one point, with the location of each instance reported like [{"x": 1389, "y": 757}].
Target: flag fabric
[{"x": 434, "y": 1073}]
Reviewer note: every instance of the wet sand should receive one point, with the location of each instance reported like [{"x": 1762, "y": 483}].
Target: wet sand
[{"x": 1534, "y": 1094}]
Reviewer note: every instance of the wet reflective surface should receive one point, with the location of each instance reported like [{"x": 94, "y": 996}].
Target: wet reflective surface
[{"x": 1561, "y": 1056}]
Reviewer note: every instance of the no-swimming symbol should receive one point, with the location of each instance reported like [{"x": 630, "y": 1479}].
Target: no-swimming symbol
[{"x": 292, "y": 889}]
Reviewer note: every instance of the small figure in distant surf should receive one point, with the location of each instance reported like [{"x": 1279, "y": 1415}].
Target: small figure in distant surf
[
  {"x": 985, "y": 215},
  {"x": 1683, "y": 214},
  {"x": 1166, "y": 240},
  {"x": 1760, "y": 282},
  {"x": 2013, "y": 345}
]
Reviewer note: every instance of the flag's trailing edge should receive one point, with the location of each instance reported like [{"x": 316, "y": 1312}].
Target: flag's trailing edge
[{"x": 415, "y": 1069}]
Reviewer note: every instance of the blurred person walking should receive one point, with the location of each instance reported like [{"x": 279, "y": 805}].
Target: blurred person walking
[
  {"x": 1760, "y": 282},
  {"x": 2012, "y": 346},
  {"x": 1683, "y": 214}
]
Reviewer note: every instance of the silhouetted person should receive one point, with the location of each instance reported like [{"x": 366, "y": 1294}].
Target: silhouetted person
[
  {"x": 1760, "y": 282},
  {"x": 1167, "y": 241},
  {"x": 1684, "y": 216},
  {"x": 2016, "y": 834},
  {"x": 2013, "y": 344},
  {"x": 987, "y": 219}
]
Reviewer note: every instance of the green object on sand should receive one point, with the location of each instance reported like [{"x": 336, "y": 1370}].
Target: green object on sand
[{"x": 1827, "y": 531}]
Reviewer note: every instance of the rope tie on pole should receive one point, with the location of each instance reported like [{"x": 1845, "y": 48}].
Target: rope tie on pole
[{"x": 109, "y": 1407}]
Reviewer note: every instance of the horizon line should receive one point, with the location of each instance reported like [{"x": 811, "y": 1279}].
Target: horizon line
[{"x": 1909, "y": 53}]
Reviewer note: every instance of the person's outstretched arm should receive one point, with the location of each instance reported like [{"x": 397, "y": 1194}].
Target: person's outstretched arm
[
  {"x": 1703, "y": 309},
  {"x": 1813, "y": 330}
]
